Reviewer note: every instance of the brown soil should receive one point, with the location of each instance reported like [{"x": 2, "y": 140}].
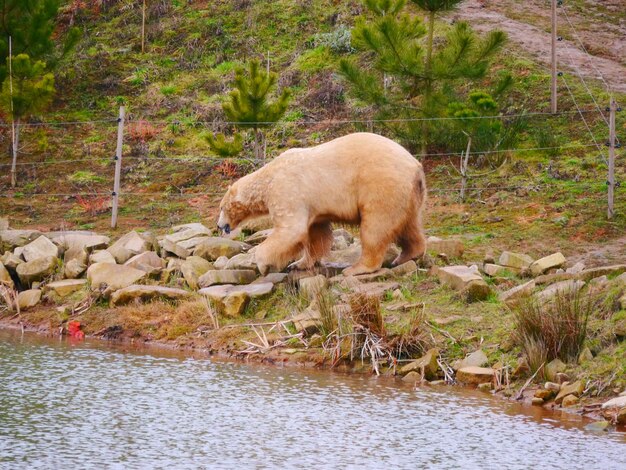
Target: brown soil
[{"x": 528, "y": 26}]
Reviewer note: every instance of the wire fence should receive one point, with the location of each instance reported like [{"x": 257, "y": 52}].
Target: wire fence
[{"x": 103, "y": 161}]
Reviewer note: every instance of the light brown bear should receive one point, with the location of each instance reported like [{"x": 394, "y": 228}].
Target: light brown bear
[{"x": 361, "y": 178}]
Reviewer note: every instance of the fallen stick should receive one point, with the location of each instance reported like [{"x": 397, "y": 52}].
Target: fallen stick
[{"x": 521, "y": 391}]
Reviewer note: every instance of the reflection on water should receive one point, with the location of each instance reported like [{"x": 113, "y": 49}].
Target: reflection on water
[{"x": 88, "y": 406}]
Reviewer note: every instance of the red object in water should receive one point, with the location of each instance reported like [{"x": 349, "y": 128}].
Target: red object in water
[{"x": 73, "y": 329}]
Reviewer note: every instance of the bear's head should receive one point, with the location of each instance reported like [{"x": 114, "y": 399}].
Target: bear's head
[{"x": 232, "y": 210}]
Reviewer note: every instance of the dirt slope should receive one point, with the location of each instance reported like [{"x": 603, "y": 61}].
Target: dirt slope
[{"x": 515, "y": 18}]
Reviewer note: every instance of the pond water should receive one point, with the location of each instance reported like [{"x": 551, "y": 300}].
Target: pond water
[{"x": 87, "y": 405}]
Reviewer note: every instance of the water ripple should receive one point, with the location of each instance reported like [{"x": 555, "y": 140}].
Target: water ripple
[{"x": 64, "y": 405}]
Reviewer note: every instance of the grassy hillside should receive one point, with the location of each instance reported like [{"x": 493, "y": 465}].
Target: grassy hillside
[{"x": 536, "y": 200}]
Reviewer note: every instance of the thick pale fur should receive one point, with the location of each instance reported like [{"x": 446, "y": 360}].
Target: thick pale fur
[{"x": 361, "y": 178}]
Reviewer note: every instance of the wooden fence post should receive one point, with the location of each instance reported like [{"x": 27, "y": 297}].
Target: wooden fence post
[
  {"x": 118, "y": 166},
  {"x": 611, "y": 180}
]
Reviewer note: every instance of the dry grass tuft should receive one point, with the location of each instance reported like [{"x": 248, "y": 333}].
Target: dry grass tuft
[{"x": 555, "y": 329}]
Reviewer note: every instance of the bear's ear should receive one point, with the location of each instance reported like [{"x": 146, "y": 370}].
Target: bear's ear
[{"x": 232, "y": 190}]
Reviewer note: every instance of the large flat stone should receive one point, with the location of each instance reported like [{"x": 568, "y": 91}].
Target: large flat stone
[
  {"x": 465, "y": 280},
  {"x": 194, "y": 231},
  {"x": 474, "y": 375},
  {"x": 147, "y": 261},
  {"x": 9, "y": 239},
  {"x": 102, "y": 256},
  {"x": 113, "y": 276},
  {"x": 225, "y": 276},
  {"x": 516, "y": 261},
  {"x": 39, "y": 248},
  {"x": 592, "y": 273},
  {"x": 451, "y": 248},
  {"x": 560, "y": 288},
  {"x": 251, "y": 290},
  {"x": 518, "y": 292},
  {"x": 242, "y": 261},
  {"x": 37, "y": 270},
  {"x": 427, "y": 363},
  {"x": 28, "y": 298},
  {"x": 213, "y": 248},
  {"x": 140, "y": 292},
  {"x": 194, "y": 267},
  {"x": 129, "y": 245},
  {"x": 79, "y": 240},
  {"x": 66, "y": 287},
  {"x": 553, "y": 261}
]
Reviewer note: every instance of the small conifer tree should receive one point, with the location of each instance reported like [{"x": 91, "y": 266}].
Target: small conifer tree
[
  {"x": 225, "y": 148},
  {"x": 248, "y": 105},
  {"x": 28, "y": 90},
  {"x": 411, "y": 75}
]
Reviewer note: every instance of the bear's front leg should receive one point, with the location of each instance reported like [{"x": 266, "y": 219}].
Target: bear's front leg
[{"x": 282, "y": 246}]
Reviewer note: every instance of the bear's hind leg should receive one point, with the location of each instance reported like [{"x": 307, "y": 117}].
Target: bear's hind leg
[
  {"x": 411, "y": 241},
  {"x": 374, "y": 243},
  {"x": 319, "y": 243}
]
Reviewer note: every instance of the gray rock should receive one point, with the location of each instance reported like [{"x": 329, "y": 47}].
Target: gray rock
[
  {"x": 10, "y": 260},
  {"x": 113, "y": 276},
  {"x": 578, "y": 267},
  {"x": 555, "y": 260},
  {"x": 66, "y": 287},
  {"x": 147, "y": 261},
  {"x": 140, "y": 292},
  {"x": 102, "y": 256},
  {"x": 213, "y": 248},
  {"x": 494, "y": 270},
  {"x": 78, "y": 240},
  {"x": 345, "y": 258},
  {"x": 370, "y": 289},
  {"x": 617, "y": 402},
  {"x": 517, "y": 292},
  {"x": 476, "y": 359},
  {"x": 191, "y": 231},
  {"x": 10, "y": 239},
  {"x": 474, "y": 375},
  {"x": 405, "y": 268},
  {"x": 553, "y": 368},
  {"x": 40, "y": 248},
  {"x": 516, "y": 261},
  {"x": 310, "y": 287},
  {"x": 74, "y": 269},
  {"x": 461, "y": 278},
  {"x": 308, "y": 321},
  {"x": 251, "y": 290},
  {"x": 451, "y": 248},
  {"x": 224, "y": 276},
  {"x": 242, "y": 261},
  {"x": 37, "y": 270},
  {"x": 562, "y": 288},
  {"x": 258, "y": 237},
  {"x": 128, "y": 246},
  {"x": 588, "y": 274},
  {"x": 221, "y": 262},
  {"x": 194, "y": 267},
  {"x": 28, "y": 298},
  {"x": 5, "y": 277},
  {"x": 427, "y": 363},
  {"x": 274, "y": 278},
  {"x": 75, "y": 260}
]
